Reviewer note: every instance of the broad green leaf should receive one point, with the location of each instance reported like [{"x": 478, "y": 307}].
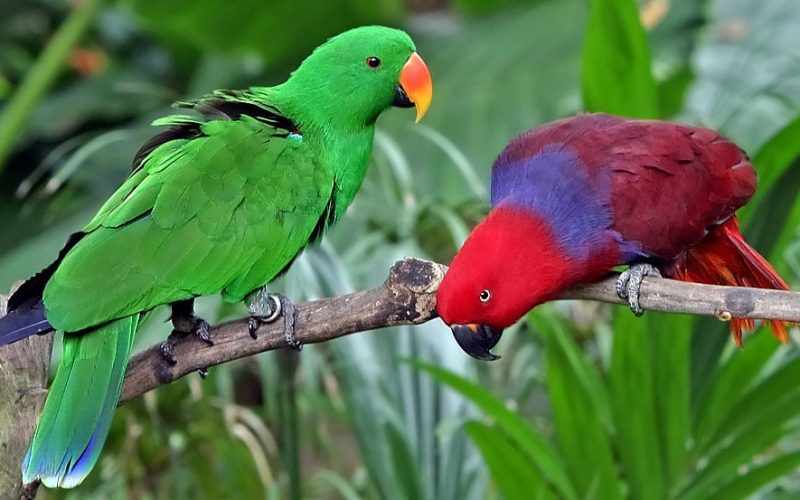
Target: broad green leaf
[
  {"x": 544, "y": 320},
  {"x": 770, "y": 223},
  {"x": 404, "y": 464},
  {"x": 535, "y": 447},
  {"x": 737, "y": 373},
  {"x": 615, "y": 71},
  {"x": 632, "y": 390},
  {"x": 670, "y": 341},
  {"x": 574, "y": 390},
  {"x": 672, "y": 91},
  {"x": 512, "y": 472},
  {"x": 777, "y": 155}
]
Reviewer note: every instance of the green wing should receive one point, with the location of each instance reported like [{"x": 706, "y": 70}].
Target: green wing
[{"x": 222, "y": 210}]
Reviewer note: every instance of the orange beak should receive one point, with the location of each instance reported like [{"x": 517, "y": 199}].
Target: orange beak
[{"x": 415, "y": 81}]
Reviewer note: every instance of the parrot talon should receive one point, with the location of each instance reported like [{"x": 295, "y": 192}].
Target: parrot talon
[
  {"x": 288, "y": 324},
  {"x": 202, "y": 330},
  {"x": 252, "y": 327},
  {"x": 166, "y": 351},
  {"x": 629, "y": 284},
  {"x": 267, "y": 308},
  {"x": 184, "y": 322}
]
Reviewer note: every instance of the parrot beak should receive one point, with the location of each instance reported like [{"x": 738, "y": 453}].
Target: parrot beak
[
  {"x": 415, "y": 87},
  {"x": 477, "y": 340}
]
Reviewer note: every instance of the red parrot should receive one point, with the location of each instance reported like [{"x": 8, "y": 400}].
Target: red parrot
[{"x": 577, "y": 197}]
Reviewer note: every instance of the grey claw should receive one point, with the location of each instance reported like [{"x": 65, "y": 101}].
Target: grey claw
[
  {"x": 203, "y": 331},
  {"x": 252, "y": 327},
  {"x": 629, "y": 284},
  {"x": 166, "y": 352},
  {"x": 621, "y": 286},
  {"x": 267, "y": 308},
  {"x": 288, "y": 325}
]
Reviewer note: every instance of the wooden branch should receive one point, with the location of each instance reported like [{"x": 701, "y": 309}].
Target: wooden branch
[
  {"x": 408, "y": 297},
  {"x": 724, "y": 302}
]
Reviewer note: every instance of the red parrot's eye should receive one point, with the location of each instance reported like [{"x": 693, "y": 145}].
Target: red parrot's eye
[
  {"x": 485, "y": 296},
  {"x": 373, "y": 62}
]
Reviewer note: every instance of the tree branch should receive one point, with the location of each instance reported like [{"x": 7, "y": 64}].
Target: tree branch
[{"x": 408, "y": 297}]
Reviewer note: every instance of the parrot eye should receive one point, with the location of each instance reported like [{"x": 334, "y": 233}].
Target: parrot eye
[
  {"x": 485, "y": 296},
  {"x": 373, "y": 62}
]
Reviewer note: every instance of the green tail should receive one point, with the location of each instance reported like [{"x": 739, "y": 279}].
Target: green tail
[{"x": 80, "y": 406}]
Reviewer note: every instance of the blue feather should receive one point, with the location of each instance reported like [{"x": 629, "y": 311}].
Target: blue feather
[{"x": 555, "y": 184}]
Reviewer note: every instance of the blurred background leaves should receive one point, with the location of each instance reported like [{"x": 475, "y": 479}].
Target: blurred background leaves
[{"x": 588, "y": 402}]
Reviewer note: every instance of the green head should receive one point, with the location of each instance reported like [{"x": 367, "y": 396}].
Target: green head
[{"x": 359, "y": 73}]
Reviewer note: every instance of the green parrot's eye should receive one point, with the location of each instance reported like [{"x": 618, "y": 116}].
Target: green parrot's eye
[
  {"x": 485, "y": 296},
  {"x": 373, "y": 62}
]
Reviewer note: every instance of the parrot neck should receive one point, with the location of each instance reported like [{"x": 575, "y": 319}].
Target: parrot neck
[
  {"x": 342, "y": 142},
  {"x": 313, "y": 106}
]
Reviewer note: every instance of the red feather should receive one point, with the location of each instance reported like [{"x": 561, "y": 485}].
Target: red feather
[{"x": 724, "y": 258}]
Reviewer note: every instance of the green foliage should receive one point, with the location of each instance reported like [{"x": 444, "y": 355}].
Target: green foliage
[
  {"x": 483, "y": 6},
  {"x": 251, "y": 26},
  {"x": 615, "y": 72},
  {"x": 533, "y": 450}
]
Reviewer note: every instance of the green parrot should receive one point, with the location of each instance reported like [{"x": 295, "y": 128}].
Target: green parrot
[{"x": 220, "y": 202}]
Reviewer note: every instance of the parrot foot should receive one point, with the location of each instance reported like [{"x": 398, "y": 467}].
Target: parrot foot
[
  {"x": 267, "y": 308},
  {"x": 630, "y": 281},
  {"x": 184, "y": 322}
]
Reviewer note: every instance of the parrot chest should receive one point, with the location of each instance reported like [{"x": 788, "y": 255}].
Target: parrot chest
[
  {"x": 279, "y": 212},
  {"x": 313, "y": 193}
]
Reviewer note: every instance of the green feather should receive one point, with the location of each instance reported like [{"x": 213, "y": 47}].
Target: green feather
[{"x": 77, "y": 415}]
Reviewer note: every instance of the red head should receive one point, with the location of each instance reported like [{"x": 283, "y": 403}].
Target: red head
[{"x": 510, "y": 263}]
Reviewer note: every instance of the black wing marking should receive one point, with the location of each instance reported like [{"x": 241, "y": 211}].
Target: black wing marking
[
  {"x": 222, "y": 105},
  {"x": 31, "y": 291}
]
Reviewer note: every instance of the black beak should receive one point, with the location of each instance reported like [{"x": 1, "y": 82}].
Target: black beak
[
  {"x": 477, "y": 340},
  {"x": 401, "y": 99}
]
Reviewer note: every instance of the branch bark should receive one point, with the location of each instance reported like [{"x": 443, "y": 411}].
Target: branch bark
[{"x": 406, "y": 297}]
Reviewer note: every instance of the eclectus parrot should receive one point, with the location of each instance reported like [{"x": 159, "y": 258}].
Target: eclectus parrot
[
  {"x": 221, "y": 202},
  {"x": 575, "y": 198}
]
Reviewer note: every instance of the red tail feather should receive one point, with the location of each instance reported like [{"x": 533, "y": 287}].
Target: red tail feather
[{"x": 724, "y": 258}]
